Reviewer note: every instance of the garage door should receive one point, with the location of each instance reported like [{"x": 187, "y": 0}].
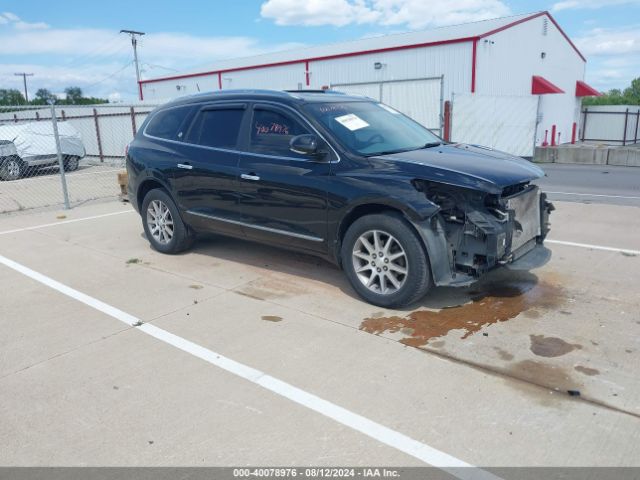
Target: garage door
[{"x": 419, "y": 99}]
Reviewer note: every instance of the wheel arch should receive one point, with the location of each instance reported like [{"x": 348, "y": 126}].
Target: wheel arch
[
  {"x": 146, "y": 186},
  {"x": 370, "y": 208}
]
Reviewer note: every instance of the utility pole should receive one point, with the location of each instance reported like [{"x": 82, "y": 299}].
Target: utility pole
[
  {"x": 134, "y": 42},
  {"x": 24, "y": 79}
]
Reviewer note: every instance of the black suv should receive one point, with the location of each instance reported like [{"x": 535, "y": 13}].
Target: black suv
[{"x": 338, "y": 176}]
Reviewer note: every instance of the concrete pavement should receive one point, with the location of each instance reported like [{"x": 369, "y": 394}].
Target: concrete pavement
[{"x": 485, "y": 380}]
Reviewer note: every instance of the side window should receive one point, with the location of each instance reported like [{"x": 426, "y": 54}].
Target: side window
[
  {"x": 271, "y": 132},
  {"x": 217, "y": 127},
  {"x": 166, "y": 123}
]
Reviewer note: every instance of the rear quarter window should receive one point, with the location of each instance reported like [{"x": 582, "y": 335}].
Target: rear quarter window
[
  {"x": 217, "y": 127},
  {"x": 168, "y": 123}
]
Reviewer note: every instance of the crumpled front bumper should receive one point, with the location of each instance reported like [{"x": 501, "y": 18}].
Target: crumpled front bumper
[
  {"x": 486, "y": 242},
  {"x": 536, "y": 257}
]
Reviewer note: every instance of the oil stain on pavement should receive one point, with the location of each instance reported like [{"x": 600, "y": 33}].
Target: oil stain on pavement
[
  {"x": 490, "y": 304},
  {"x": 551, "y": 346}
]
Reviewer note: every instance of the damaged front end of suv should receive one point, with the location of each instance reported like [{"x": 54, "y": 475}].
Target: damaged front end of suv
[{"x": 474, "y": 231}]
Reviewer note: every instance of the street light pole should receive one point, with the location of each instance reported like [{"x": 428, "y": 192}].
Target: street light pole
[
  {"x": 24, "y": 79},
  {"x": 134, "y": 42}
]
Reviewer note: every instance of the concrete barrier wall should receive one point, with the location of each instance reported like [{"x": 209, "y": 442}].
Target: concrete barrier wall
[{"x": 589, "y": 155}]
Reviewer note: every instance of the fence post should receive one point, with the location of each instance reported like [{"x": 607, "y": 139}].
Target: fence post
[
  {"x": 635, "y": 137},
  {"x": 573, "y": 133},
  {"x": 63, "y": 178},
  {"x": 626, "y": 121},
  {"x": 133, "y": 122},
  {"x": 447, "y": 121},
  {"x": 584, "y": 123},
  {"x": 95, "y": 121}
]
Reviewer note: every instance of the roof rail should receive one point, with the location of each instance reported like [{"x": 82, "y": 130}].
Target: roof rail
[{"x": 312, "y": 91}]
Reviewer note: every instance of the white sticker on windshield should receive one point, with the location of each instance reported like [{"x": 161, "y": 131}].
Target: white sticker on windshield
[
  {"x": 352, "y": 121},
  {"x": 389, "y": 109}
]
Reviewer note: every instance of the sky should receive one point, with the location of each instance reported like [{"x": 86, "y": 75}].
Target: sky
[{"x": 77, "y": 43}]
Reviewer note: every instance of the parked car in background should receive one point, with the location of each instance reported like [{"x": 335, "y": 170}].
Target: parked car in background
[
  {"x": 343, "y": 177},
  {"x": 35, "y": 147}
]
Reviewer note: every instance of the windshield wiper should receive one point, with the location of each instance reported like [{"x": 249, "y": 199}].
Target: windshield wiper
[
  {"x": 390, "y": 152},
  {"x": 387, "y": 152}
]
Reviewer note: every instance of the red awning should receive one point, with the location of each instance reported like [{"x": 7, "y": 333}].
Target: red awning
[
  {"x": 584, "y": 90},
  {"x": 542, "y": 86}
]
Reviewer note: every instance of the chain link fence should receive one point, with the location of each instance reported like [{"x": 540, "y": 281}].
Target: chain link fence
[{"x": 63, "y": 155}]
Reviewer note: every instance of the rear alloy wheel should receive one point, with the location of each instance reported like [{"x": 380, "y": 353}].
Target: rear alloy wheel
[
  {"x": 385, "y": 261},
  {"x": 12, "y": 169},
  {"x": 163, "y": 226},
  {"x": 71, "y": 163}
]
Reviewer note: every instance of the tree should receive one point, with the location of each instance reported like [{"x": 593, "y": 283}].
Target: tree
[
  {"x": 633, "y": 92},
  {"x": 74, "y": 95},
  {"x": 11, "y": 97},
  {"x": 628, "y": 96},
  {"x": 44, "y": 97}
]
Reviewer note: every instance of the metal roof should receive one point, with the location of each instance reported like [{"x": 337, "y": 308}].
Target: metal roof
[{"x": 443, "y": 35}]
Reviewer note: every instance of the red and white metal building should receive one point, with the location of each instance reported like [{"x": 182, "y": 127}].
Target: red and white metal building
[{"x": 503, "y": 83}]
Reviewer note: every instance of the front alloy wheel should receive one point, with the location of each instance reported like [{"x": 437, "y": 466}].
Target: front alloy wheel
[
  {"x": 380, "y": 262},
  {"x": 385, "y": 260}
]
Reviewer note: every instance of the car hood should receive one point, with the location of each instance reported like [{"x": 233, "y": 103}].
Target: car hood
[{"x": 463, "y": 165}]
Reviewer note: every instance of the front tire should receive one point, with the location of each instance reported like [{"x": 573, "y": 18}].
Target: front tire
[
  {"x": 12, "y": 168},
  {"x": 163, "y": 225},
  {"x": 385, "y": 261}
]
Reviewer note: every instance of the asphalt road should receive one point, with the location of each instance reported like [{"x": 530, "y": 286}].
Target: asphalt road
[{"x": 592, "y": 184}]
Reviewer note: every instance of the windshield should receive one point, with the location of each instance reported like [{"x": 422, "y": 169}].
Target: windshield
[{"x": 370, "y": 128}]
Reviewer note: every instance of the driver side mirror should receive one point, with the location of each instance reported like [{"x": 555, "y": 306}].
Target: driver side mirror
[{"x": 304, "y": 145}]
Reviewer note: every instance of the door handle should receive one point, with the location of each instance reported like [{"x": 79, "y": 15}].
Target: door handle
[
  {"x": 249, "y": 176},
  {"x": 186, "y": 166}
]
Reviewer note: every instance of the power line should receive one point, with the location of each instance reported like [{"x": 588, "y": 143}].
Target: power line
[
  {"x": 111, "y": 75},
  {"x": 102, "y": 48}
]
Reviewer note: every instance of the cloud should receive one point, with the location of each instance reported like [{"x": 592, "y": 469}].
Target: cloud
[
  {"x": 613, "y": 53},
  {"x": 590, "y": 4},
  {"x": 11, "y": 19},
  {"x": 610, "y": 42},
  {"x": 412, "y": 13},
  {"x": 99, "y": 60}
]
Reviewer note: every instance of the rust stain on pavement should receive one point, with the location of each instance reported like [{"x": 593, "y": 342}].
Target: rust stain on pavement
[{"x": 490, "y": 304}]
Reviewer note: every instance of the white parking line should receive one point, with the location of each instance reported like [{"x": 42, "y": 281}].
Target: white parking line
[
  {"x": 64, "y": 222},
  {"x": 593, "y": 195},
  {"x": 594, "y": 247},
  {"x": 377, "y": 431}
]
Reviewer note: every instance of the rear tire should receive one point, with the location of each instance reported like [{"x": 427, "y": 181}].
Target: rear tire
[
  {"x": 163, "y": 225},
  {"x": 12, "y": 168},
  {"x": 385, "y": 261},
  {"x": 71, "y": 163}
]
